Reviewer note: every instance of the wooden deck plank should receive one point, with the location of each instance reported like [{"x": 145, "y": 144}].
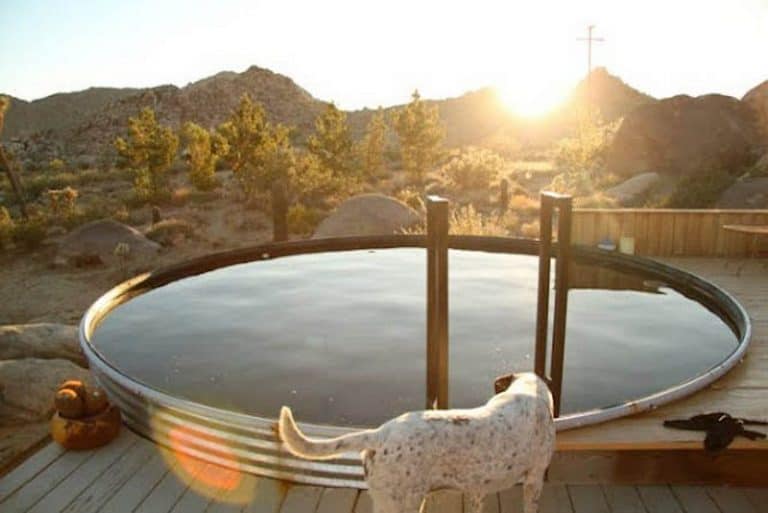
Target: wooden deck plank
[
  {"x": 67, "y": 490},
  {"x": 694, "y": 499},
  {"x": 511, "y": 500},
  {"x": 623, "y": 499},
  {"x": 301, "y": 499},
  {"x": 731, "y": 500},
  {"x": 198, "y": 495},
  {"x": 105, "y": 486},
  {"x": 555, "y": 499},
  {"x": 141, "y": 484},
  {"x": 235, "y": 499},
  {"x": 758, "y": 497},
  {"x": 34, "y": 490},
  {"x": 588, "y": 499},
  {"x": 659, "y": 499},
  {"x": 337, "y": 500},
  {"x": 267, "y": 497},
  {"x": 169, "y": 490},
  {"x": 364, "y": 503},
  {"x": 35, "y": 464}
]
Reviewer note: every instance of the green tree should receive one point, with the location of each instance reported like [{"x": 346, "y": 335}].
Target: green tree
[
  {"x": 204, "y": 149},
  {"x": 421, "y": 135},
  {"x": 244, "y": 133},
  {"x": 150, "y": 149},
  {"x": 332, "y": 144},
  {"x": 372, "y": 145}
]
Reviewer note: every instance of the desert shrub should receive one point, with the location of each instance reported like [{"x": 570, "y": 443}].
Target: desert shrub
[
  {"x": 701, "y": 190},
  {"x": 168, "y": 231},
  {"x": 473, "y": 168},
  {"x": 595, "y": 200},
  {"x": 581, "y": 159},
  {"x": 43, "y": 182},
  {"x": 30, "y": 233},
  {"x": 468, "y": 221},
  {"x": 62, "y": 205},
  {"x": 302, "y": 219},
  {"x": 530, "y": 230},
  {"x": 56, "y": 166},
  {"x": 7, "y": 227},
  {"x": 179, "y": 196},
  {"x": 411, "y": 197},
  {"x": 523, "y": 204}
]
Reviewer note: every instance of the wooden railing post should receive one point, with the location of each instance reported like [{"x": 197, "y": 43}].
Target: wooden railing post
[
  {"x": 437, "y": 302},
  {"x": 564, "y": 205},
  {"x": 561, "y": 298}
]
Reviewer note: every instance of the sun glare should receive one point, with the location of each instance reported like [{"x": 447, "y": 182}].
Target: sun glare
[{"x": 531, "y": 100}]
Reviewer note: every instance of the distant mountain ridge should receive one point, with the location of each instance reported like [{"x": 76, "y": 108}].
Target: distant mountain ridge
[{"x": 85, "y": 123}]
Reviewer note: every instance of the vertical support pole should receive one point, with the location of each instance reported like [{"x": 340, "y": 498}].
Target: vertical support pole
[
  {"x": 561, "y": 298},
  {"x": 564, "y": 205},
  {"x": 542, "y": 310},
  {"x": 437, "y": 303},
  {"x": 279, "y": 212}
]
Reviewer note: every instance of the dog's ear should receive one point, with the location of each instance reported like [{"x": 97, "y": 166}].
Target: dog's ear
[{"x": 501, "y": 384}]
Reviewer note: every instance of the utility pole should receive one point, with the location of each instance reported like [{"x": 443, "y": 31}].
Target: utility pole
[{"x": 589, "y": 39}]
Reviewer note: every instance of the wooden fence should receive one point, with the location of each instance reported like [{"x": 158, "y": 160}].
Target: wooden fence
[{"x": 668, "y": 232}]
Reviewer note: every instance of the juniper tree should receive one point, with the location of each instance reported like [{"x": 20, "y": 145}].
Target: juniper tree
[
  {"x": 150, "y": 149},
  {"x": 204, "y": 149},
  {"x": 421, "y": 135},
  {"x": 372, "y": 144},
  {"x": 332, "y": 145}
]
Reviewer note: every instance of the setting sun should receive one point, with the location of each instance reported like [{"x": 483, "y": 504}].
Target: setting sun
[{"x": 532, "y": 100}]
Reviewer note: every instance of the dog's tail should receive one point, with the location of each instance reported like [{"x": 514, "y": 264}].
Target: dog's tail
[{"x": 299, "y": 445}]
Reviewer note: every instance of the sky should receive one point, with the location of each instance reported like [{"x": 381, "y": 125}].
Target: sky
[{"x": 362, "y": 53}]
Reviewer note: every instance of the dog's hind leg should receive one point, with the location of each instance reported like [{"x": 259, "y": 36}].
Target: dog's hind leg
[
  {"x": 532, "y": 487},
  {"x": 474, "y": 502},
  {"x": 402, "y": 502}
]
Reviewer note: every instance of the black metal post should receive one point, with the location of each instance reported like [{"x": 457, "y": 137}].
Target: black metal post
[
  {"x": 542, "y": 310},
  {"x": 437, "y": 302},
  {"x": 279, "y": 212}
]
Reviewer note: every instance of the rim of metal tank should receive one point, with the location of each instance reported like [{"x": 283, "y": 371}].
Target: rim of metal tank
[{"x": 248, "y": 443}]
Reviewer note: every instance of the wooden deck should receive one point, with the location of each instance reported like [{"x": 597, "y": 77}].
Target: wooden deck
[
  {"x": 132, "y": 474},
  {"x": 135, "y": 475}
]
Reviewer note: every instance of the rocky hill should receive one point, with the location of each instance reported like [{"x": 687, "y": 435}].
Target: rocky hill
[
  {"x": 82, "y": 125},
  {"x": 58, "y": 112}
]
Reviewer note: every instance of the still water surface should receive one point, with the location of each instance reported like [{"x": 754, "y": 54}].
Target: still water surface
[{"x": 340, "y": 336}]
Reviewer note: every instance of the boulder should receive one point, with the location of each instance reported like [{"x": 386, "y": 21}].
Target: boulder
[
  {"x": 746, "y": 193},
  {"x": 43, "y": 340},
  {"x": 684, "y": 135},
  {"x": 96, "y": 241},
  {"x": 629, "y": 190},
  {"x": 28, "y": 386},
  {"x": 757, "y": 100},
  {"x": 367, "y": 214}
]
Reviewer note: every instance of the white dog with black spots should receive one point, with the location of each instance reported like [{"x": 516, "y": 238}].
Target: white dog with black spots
[{"x": 508, "y": 441}]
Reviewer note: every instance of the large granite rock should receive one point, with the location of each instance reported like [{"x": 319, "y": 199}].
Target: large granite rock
[
  {"x": 96, "y": 241},
  {"x": 43, "y": 340},
  {"x": 27, "y": 387},
  {"x": 629, "y": 190},
  {"x": 746, "y": 193},
  {"x": 367, "y": 214},
  {"x": 757, "y": 100},
  {"x": 684, "y": 135}
]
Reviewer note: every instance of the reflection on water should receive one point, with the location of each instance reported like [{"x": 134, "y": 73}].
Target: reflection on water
[{"x": 341, "y": 336}]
